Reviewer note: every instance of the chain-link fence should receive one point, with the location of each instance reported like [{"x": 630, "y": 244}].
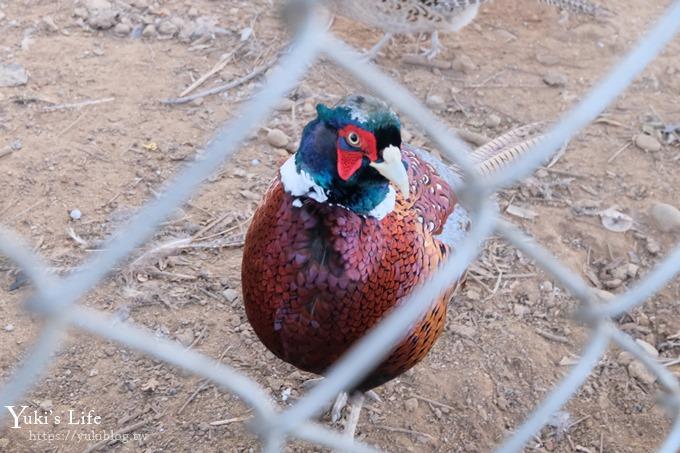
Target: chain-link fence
[{"x": 56, "y": 297}]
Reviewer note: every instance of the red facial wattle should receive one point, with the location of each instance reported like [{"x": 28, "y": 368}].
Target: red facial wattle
[{"x": 349, "y": 157}]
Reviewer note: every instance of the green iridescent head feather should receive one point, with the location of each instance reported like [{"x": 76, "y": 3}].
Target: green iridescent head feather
[{"x": 366, "y": 112}]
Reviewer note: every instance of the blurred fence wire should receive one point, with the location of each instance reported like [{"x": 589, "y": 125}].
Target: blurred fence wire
[{"x": 57, "y": 297}]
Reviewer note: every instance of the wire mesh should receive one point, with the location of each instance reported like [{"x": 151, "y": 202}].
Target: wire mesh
[{"x": 57, "y": 297}]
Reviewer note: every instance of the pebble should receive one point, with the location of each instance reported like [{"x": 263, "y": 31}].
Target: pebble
[
  {"x": 647, "y": 347},
  {"x": 122, "y": 29},
  {"x": 9, "y": 328},
  {"x": 463, "y": 63},
  {"x": 167, "y": 28},
  {"x": 286, "y": 105},
  {"x": 411, "y": 404},
  {"x": 75, "y": 214},
  {"x": 493, "y": 121},
  {"x": 547, "y": 58},
  {"x": 640, "y": 372},
  {"x": 555, "y": 79},
  {"x": 521, "y": 310},
  {"x": 46, "y": 405},
  {"x": 647, "y": 143},
  {"x": 463, "y": 330},
  {"x": 12, "y": 75},
  {"x": 185, "y": 337},
  {"x": 102, "y": 19},
  {"x": 666, "y": 217},
  {"x": 277, "y": 138},
  {"x": 653, "y": 246},
  {"x": 49, "y": 24},
  {"x": 625, "y": 358},
  {"x": 149, "y": 31},
  {"x": 435, "y": 102},
  {"x": 230, "y": 294},
  {"x": 94, "y": 5}
]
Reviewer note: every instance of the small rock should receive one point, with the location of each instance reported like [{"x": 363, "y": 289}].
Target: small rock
[
  {"x": 462, "y": 330},
  {"x": 286, "y": 105},
  {"x": 12, "y": 75},
  {"x": 122, "y": 29},
  {"x": 167, "y": 28},
  {"x": 277, "y": 138},
  {"x": 520, "y": 310},
  {"x": 647, "y": 143},
  {"x": 102, "y": 19},
  {"x": 49, "y": 24},
  {"x": 149, "y": 31},
  {"x": 250, "y": 195},
  {"x": 411, "y": 404},
  {"x": 647, "y": 347},
  {"x": 80, "y": 13},
  {"x": 546, "y": 286},
  {"x": 75, "y": 214},
  {"x": 613, "y": 283},
  {"x": 463, "y": 63},
  {"x": 230, "y": 294},
  {"x": 9, "y": 328},
  {"x": 547, "y": 58},
  {"x": 624, "y": 358},
  {"x": 555, "y": 79},
  {"x": 46, "y": 405},
  {"x": 493, "y": 121},
  {"x": 667, "y": 217},
  {"x": 185, "y": 337},
  {"x": 653, "y": 246},
  {"x": 435, "y": 102},
  {"x": 94, "y": 5},
  {"x": 640, "y": 372}
]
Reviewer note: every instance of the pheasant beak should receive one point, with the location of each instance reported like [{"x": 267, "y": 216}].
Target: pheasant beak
[{"x": 393, "y": 169}]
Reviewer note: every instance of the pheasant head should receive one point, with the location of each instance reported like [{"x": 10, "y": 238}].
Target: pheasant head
[{"x": 350, "y": 155}]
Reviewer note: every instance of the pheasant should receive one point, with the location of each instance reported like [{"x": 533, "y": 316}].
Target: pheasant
[
  {"x": 353, "y": 222},
  {"x": 422, "y": 16}
]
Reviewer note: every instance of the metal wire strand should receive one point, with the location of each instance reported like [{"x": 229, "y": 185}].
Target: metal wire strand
[{"x": 55, "y": 297}]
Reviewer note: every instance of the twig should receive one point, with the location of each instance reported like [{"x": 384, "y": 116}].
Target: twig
[
  {"x": 6, "y": 152},
  {"x": 210, "y": 225},
  {"x": 231, "y": 420},
  {"x": 70, "y": 126},
  {"x": 77, "y": 105},
  {"x": 199, "y": 337},
  {"x": 420, "y": 60},
  {"x": 564, "y": 173},
  {"x": 25, "y": 211},
  {"x": 553, "y": 337},
  {"x": 619, "y": 151},
  {"x": 172, "y": 275},
  {"x": 217, "y": 68},
  {"x": 405, "y": 431},
  {"x": 203, "y": 386},
  {"x": 433, "y": 402},
  {"x": 73, "y": 235},
  {"x": 219, "y": 89}
]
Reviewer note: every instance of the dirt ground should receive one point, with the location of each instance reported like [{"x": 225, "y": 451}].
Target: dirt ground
[{"x": 510, "y": 336}]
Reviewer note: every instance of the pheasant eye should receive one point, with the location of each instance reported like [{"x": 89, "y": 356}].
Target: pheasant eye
[{"x": 353, "y": 139}]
